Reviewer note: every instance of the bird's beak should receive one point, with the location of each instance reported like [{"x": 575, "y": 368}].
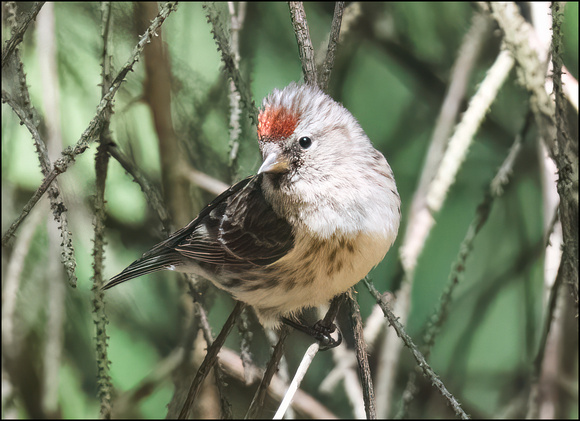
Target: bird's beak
[{"x": 275, "y": 162}]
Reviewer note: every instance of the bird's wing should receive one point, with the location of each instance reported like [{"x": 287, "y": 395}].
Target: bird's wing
[{"x": 238, "y": 228}]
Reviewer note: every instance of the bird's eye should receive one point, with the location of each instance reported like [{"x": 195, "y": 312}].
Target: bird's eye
[{"x": 305, "y": 142}]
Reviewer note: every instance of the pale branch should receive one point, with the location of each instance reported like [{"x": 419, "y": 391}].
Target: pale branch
[
  {"x": 423, "y": 221},
  {"x": 419, "y": 218},
  {"x": 236, "y": 24},
  {"x": 548, "y": 115},
  {"x": 466, "y": 129},
  {"x": 326, "y": 322},
  {"x": 298, "y": 377},
  {"x": 303, "y": 402},
  {"x": 439, "y": 316}
]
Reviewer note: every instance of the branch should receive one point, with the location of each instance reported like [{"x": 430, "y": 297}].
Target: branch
[
  {"x": 425, "y": 367},
  {"x": 332, "y": 44},
  {"x": 305, "y": 48},
  {"x": 362, "y": 357},
  {"x": 152, "y": 194},
  {"x": 209, "y": 361},
  {"x": 254, "y": 411},
  {"x": 229, "y": 60},
  {"x": 18, "y": 32},
  {"x": 298, "y": 377},
  {"x": 236, "y": 24},
  {"x": 439, "y": 317},
  {"x": 567, "y": 162},
  {"x": 92, "y": 131}
]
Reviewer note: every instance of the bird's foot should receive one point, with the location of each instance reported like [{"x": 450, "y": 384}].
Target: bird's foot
[{"x": 318, "y": 331}]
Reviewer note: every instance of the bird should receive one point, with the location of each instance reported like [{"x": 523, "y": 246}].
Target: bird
[{"x": 321, "y": 212}]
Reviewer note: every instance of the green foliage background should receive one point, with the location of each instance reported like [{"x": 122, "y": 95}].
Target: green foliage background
[{"x": 392, "y": 71}]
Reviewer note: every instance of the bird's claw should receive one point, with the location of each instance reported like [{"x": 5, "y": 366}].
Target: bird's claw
[{"x": 320, "y": 332}]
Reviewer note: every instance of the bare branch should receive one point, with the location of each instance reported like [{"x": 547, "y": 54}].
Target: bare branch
[
  {"x": 229, "y": 60},
  {"x": 18, "y": 32},
  {"x": 209, "y": 361},
  {"x": 332, "y": 44},
  {"x": 298, "y": 377},
  {"x": 423, "y": 365},
  {"x": 305, "y": 48},
  {"x": 258, "y": 401},
  {"x": 104, "y": 383},
  {"x": 92, "y": 131},
  {"x": 362, "y": 357}
]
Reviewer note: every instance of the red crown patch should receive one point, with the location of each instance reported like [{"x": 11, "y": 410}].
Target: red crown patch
[{"x": 276, "y": 123}]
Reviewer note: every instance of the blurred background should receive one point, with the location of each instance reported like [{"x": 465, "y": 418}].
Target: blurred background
[{"x": 393, "y": 70}]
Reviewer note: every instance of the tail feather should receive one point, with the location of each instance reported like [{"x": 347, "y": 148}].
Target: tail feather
[{"x": 143, "y": 266}]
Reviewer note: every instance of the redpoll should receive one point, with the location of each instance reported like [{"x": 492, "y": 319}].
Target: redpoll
[{"x": 322, "y": 211}]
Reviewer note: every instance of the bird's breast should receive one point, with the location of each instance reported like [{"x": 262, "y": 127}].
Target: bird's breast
[{"x": 311, "y": 274}]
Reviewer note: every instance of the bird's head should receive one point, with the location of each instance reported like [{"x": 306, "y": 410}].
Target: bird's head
[{"x": 304, "y": 133}]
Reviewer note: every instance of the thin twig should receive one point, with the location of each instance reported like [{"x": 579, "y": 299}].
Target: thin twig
[
  {"x": 226, "y": 408},
  {"x": 255, "y": 409},
  {"x": 303, "y": 402},
  {"x": 311, "y": 352},
  {"x": 91, "y": 133},
  {"x": 153, "y": 195},
  {"x": 209, "y": 361},
  {"x": 438, "y": 318},
  {"x": 566, "y": 160},
  {"x": 18, "y": 32},
  {"x": 104, "y": 383},
  {"x": 425, "y": 367},
  {"x": 362, "y": 357},
  {"x": 24, "y": 109},
  {"x": 56, "y": 199},
  {"x": 345, "y": 372},
  {"x": 228, "y": 58}
]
